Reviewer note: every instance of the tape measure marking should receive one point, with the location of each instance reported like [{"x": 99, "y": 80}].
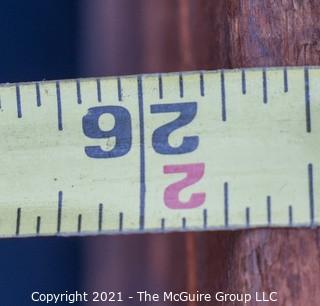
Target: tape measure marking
[
  {"x": 264, "y": 82},
  {"x": 160, "y": 87},
  {"x": 205, "y": 218},
  {"x": 226, "y": 205},
  {"x": 142, "y": 154},
  {"x": 119, "y": 89},
  {"x": 223, "y": 97},
  {"x": 307, "y": 98},
  {"x": 100, "y": 218},
  {"x": 120, "y": 221},
  {"x": 98, "y": 90},
  {"x": 19, "y": 112},
  {"x": 38, "y": 225},
  {"x": 290, "y": 215},
  {"x": 18, "y": 221},
  {"x": 60, "y": 195},
  {"x": 163, "y": 224},
  {"x": 38, "y": 95},
  {"x": 247, "y": 216},
  {"x": 79, "y": 100},
  {"x": 79, "y": 222},
  {"x": 285, "y": 79},
  {"x": 181, "y": 85},
  {"x": 59, "y": 107},
  {"x": 184, "y": 99},
  {"x": 243, "y": 82},
  {"x": 311, "y": 196},
  {"x": 269, "y": 210}
]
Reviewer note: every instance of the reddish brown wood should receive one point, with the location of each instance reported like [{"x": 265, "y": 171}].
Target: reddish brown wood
[
  {"x": 170, "y": 35},
  {"x": 273, "y": 33}
]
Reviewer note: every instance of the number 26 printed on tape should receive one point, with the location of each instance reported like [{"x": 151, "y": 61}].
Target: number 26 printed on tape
[{"x": 160, "y": 143}]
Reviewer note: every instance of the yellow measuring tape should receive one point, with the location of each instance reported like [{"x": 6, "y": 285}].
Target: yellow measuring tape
[{"x": 179, "y": 151}]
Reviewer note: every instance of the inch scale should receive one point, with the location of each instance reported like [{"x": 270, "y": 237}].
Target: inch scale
[{"x": 179, "y": 151}]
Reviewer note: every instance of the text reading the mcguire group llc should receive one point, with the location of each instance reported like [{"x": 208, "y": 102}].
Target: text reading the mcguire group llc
[{"x": 153, "y": 297}]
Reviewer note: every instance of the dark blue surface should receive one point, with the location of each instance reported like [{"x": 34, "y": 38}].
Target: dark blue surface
[
  {"x": 38, "y": 264},
  {"x": 38, "y": 40}
]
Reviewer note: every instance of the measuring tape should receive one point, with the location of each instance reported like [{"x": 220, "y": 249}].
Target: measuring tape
[{"x": 179, "y": 151}]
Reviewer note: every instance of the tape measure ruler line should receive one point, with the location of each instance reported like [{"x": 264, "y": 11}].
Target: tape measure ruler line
[{"x": 200, "y": 150}]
